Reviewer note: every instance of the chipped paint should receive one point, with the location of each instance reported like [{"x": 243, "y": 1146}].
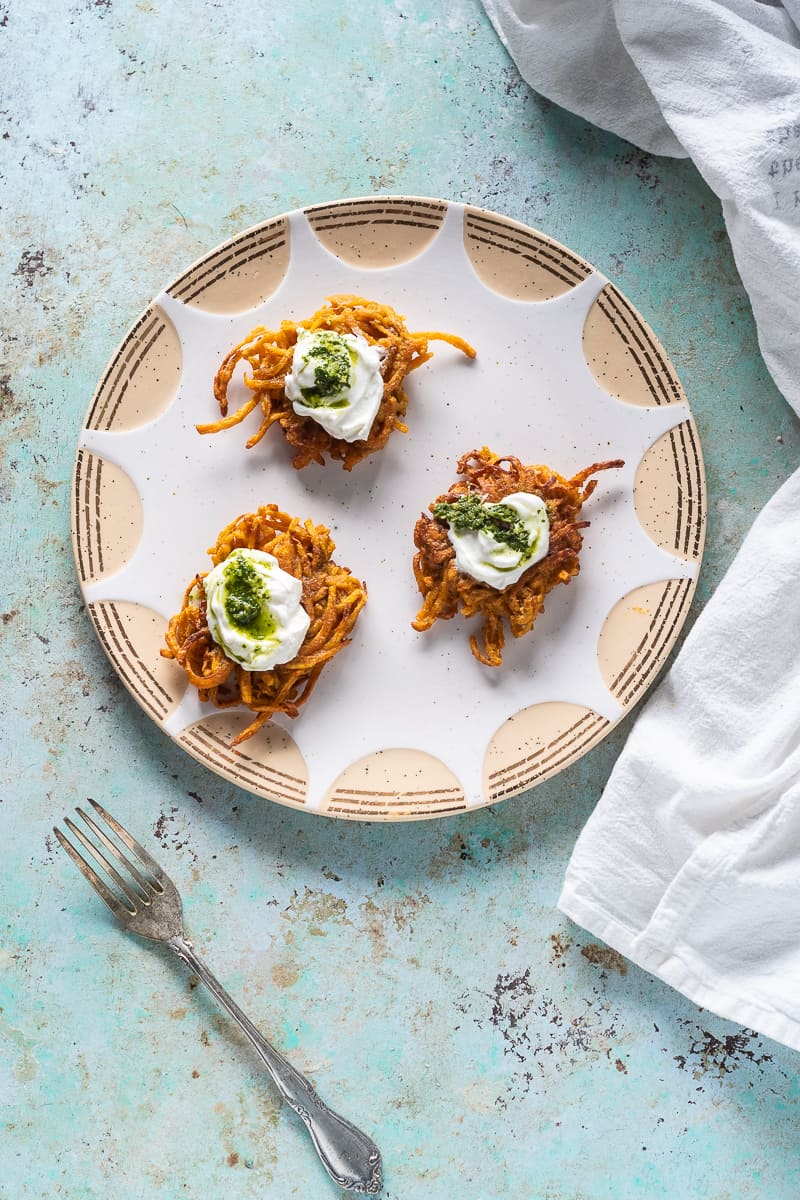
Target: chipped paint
[
  {"x": 715, "y": 1056},
  {"x": 603, "y": 956}
]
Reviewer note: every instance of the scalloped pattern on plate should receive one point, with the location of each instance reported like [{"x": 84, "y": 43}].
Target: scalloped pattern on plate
[{"x": 402, "y": 726}]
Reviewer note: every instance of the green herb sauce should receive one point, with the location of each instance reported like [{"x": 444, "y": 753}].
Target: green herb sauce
[
  {"x": 500, "y": 521},
  {"x": 246, "y": 598},
  {"x": 333, "y": 361}
]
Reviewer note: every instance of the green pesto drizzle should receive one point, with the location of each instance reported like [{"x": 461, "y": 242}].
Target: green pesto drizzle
[
  {"x": 333, "y": 360},
  {"x": 500, "y": 521},
  {"x": 246, "y": 598}
]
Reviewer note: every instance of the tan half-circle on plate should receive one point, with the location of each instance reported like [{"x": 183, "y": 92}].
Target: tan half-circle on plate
[
  {"x": 512, "y": 261},
  {"x": 141, "y": 381},
  {"x": 625, "y": 356},
  {"x": 107, "y": 518},
  {"x": 517, "y": 261},
  {"x": 268, "y": 764},
  {"x": 669, "y": 492},
  {"x": 379, "y": 231},
  {"x": 639, "y": 633},
  {"x": 395, "y": 785},
  {"x": 538, "y": 742},
  {"x": 132, "y": 637},
  {"x": 240, "y": 273}
]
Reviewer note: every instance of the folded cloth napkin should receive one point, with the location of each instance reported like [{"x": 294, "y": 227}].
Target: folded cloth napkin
[{"x": 690, "y": 864}]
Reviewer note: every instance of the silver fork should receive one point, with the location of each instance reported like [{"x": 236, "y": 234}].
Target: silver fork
[{"x": 147, "y": 902}]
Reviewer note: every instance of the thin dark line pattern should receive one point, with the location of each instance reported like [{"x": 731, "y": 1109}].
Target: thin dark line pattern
[
  {"x": 392, "y": 792},
  {"x": 145, "y": 350},
  {"x": 535, "y": 756},
  {"x": 208, "y": 756},
  {"x": 121, "y": 363},
  {"x": 621, "y": 679},
  {"x": 659, "y": 654},
  {"x": 679, "y": 485},
  {"x": 536, "y": 260},
  {"x": 241, "y": 756},
  {"x": 229, "y": 252},
  {"x": 699, "y": 521},
  {"x": 573, "y": 752},
  {"x": 564, "y": 266},
  {"x": 388, "y": 812},
  {"x": 426, "y": 209},
  {"x": 241, "y": 261},
  {"x": 261, "y": 785},
  {"x": 129, "y": 677},
  {"x": 87, "y": 482},
  {"x": 123, "y": 633},
  {"x": 346, "y": 223},
  {"x": 79, "y": 531},
  {"x": 242, "y": 767},
  {"x": 97, "y": 525},
  {"x": 527, "y": 239},
  {"x": 394, "y": 798},
  {"x": 664, "y": 370}
]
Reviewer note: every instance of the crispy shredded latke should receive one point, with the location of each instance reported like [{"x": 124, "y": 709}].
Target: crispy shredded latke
[
  {"x": 332, "y": 597},
  {"x": 268, "y": 353},
  {"x": 447, "y": 590}
]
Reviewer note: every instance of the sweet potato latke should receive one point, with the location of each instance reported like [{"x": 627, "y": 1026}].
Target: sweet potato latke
[
  {"x": 332, "y": 597},
  {"x": 268, "y": 353},
  {"x": 447, "y": 590}
]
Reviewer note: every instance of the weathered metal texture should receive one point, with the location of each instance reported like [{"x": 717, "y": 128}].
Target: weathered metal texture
[{"x": 419, "y": 973}]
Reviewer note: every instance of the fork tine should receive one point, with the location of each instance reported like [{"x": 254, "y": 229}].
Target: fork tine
[
  {"x": 131, "y": 843},
  {"x": 144, "y": 884},
  {"x": 120, "y": 911},
  {"x": 125, "y": 887}
]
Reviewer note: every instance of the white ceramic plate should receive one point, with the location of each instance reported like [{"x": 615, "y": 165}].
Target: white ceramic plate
[{"x": 401, "y": 725}]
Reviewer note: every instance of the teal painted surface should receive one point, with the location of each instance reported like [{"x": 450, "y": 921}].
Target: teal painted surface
[{"x": 421, "y": 972}]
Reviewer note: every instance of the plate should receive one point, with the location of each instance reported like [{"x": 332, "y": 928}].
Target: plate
[{"x": 402, "y": 725}]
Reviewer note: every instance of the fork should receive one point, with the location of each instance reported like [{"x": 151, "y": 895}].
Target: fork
[{"x": 147, "y": 903}]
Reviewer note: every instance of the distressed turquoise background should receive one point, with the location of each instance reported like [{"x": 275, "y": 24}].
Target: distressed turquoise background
[{"x": 421, "y": 972}]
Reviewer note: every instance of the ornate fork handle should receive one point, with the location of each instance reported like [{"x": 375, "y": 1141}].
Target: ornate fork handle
[{"x": 351, "y": 1159}]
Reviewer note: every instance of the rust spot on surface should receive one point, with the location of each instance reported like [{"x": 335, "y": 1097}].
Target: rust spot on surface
[
  {"x": 32, "y": 266},
  {"x": 709, "y": 1055},
  {"x": 233, "y": 1159},
  {"x": 12, "y": 404},
  {"x": 195, "y": 1074},
  {"x": 178, "y": 1014},
  {"x": 382, "y": 917},
  {"x": 540, "y": 1037},
  {"x": 605, "y": 957},
  {"x": 204, "y": 1038},
  {"x": 284, "y": 974},
  {"x": 315, "y": 909},
  {"x": 560, "y": 944},
  {"x": 452, "y": 853},
  {"x": 620, "y": 1065}
]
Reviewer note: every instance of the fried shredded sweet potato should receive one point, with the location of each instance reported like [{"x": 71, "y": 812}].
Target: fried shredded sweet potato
[
  {"x": 331, "y": 596},
  {"x": 447, "y": 591},
  {"x": 268, "y": 353}
]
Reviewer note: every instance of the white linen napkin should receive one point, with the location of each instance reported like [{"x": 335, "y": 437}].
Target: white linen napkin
[{"x": 690, "y": 864}]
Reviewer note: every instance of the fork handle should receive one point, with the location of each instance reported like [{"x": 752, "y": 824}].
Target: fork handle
[{"x": 351, "y": 1158}]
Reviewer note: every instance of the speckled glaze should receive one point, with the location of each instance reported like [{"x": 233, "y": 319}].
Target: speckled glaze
[{"x": 418, "y": 972}]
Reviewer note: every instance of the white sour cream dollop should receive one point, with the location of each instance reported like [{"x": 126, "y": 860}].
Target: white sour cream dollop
[
  {"x": 254, "y": 610},
  {"x": 336, "y": 380},
  {"x": 481, "y": 556}
]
